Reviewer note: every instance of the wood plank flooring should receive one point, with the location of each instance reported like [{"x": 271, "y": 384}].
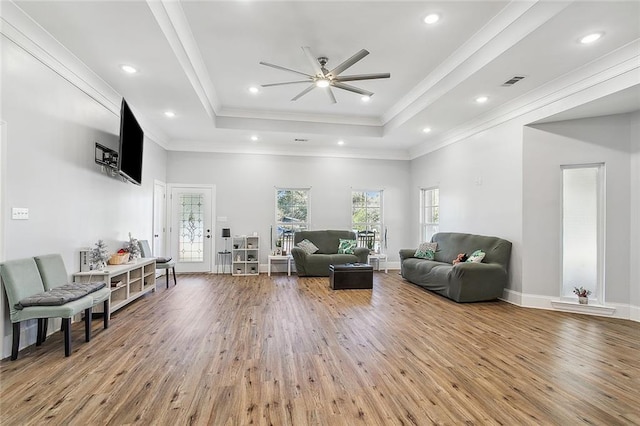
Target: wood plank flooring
[{"x": 222, "y": 350}]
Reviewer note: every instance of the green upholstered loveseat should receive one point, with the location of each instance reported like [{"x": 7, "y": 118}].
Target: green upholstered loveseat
[
  {"x": 464, "y": 282},
  {"x": 327, "y": 241}
]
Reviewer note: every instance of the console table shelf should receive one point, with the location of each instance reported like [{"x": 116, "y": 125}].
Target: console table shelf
[{"x": 128, "y": 282}]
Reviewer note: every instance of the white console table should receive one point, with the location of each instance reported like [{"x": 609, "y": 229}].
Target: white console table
[{"x": 128, "y": 281}]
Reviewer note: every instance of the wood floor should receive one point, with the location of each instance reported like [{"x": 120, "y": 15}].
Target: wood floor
[{"x": 289, "y": 351}]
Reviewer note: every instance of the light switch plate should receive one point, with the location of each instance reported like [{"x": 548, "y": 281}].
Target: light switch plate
[{"x": 20, "y": 213}]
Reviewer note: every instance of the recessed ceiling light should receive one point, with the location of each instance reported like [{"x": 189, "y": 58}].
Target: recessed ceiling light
[
  {"x": 170, "y": 114},
  {"x": 432, "y": 18},
  {"x": 128, "y": 69},
  {"x": 340, "y": 142},
  {"x": 365, "y": 98},
  {"x": 481, "y": 99},
  {"x": 590, "y": 38},
  {"x": 254, "y": 138},
  {"x": 426, "y": 129},
  {"x": 322, "y": 83},
  {"x": 253, "y": 89}
]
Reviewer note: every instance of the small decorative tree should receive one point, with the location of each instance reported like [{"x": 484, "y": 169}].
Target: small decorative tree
[
  {"x": 133, "y": 247},
  {"x": 98, "y": 256}
]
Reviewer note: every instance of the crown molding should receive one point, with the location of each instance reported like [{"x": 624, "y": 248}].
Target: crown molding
[
  {"x": 608, "y": 74},
  {"x": 174, "y": 25},
  {"x": 300, "y": 151},
  {"x": 511, "y": 25},
  {"x": 21, "y": 29}
]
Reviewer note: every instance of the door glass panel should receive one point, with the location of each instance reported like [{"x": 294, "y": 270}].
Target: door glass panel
[{"x": 191, "y": 241}]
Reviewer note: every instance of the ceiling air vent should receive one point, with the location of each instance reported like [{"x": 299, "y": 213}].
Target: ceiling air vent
[
  {"x": 300, "y": 140},
  {"x": 512, "y": 81}
]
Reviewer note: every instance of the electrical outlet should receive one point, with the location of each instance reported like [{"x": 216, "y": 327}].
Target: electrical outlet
[{"x": 20, "y": 213}]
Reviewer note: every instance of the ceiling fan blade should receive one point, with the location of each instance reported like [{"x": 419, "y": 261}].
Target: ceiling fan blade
[
  {"x": 285, "y": 83},
  {"x": 331, "y": 96},
  {"x": 313, "y": 61},
  {"x": 351, "y": 88},
  {"x": 346, "y": 64},
  {"x": 304, "y": 92},
  {"x": 278, "y": 67},
  {"x": 362, "y": 77}
]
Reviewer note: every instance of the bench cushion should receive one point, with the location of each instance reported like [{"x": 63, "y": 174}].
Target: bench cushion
[{"x": 60, "y": 295}]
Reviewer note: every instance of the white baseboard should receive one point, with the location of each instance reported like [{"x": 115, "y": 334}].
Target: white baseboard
[{"x": 613, "y": 310}]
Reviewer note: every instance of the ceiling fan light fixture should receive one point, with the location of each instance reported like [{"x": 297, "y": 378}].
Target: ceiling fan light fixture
[{"x": 322, "y": 82}]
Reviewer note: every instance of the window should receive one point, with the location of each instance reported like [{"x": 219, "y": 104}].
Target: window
[
  {"x": 429, "y": 212},
  {"x": 366, "y": 218},
  {"x": 583, "y": 230},
  {"x": 292, "y": 214}
]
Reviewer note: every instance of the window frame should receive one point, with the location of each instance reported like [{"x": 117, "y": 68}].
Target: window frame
[
  {"x": 428, "y": 229},
  {"x": 378, "y": 227},
  {"x": 293, "y": 226}
]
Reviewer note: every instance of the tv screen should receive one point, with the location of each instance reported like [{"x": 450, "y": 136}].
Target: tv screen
[{"x": 131, "y": 146}]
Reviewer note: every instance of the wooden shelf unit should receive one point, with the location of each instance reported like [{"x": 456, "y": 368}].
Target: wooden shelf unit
[
  {"x": 245, "y": 255},
  {"x": 128, "y": 281}
]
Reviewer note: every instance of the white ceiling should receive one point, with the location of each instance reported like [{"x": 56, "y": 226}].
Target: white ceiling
[{"x": 199, "y": 58}]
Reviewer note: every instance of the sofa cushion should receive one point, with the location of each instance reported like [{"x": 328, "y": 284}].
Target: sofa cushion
[
  {"x": 426, "y": 251},
  {"x": 476, "y": 256},
  {"x": 326, "y": 240},
  {"x": 307, "y": 246},
  {"x": 346, "y": 246}
]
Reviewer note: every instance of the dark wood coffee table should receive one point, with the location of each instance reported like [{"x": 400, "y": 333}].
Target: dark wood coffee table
[{"x": 351, "y": 276}]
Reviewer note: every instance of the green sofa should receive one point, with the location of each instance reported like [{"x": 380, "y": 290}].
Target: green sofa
[
  {"x": 327, "y": 241},
  {"x": 464, "y": 282}
]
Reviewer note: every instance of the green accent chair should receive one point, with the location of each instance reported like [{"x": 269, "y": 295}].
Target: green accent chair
[
  {"x": 145, "y": 249},
  {"x": 54, "y": 274},
  {"x": 21, "y": 279}
]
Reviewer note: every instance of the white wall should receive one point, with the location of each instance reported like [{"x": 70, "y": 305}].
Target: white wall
[
  {"x": 480, "y": 188},
  {"x": 547, "y": 147},
  {"x": 245, "y": 190},
  {"x": 51, "y": 129},
  {"x": 634, "y": 252}
]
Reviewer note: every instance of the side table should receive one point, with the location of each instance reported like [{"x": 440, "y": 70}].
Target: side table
[
  {"x": 379, "y": 257},
  {"x": 278, "y": 258},
  {"x": 224, "y": 259}
]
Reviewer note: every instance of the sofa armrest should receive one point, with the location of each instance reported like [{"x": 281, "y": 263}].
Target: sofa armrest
[
  {"x": 406, "y": 253},
  {"x": 477, "y": 281},
  {"x": 299, "y": 258},
  {"x": 362, "y": 253}
]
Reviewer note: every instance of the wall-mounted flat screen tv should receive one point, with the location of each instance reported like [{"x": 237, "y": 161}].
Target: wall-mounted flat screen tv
[{"x": 131, "y": 146}]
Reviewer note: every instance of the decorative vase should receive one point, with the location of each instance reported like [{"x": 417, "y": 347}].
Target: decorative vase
[{"x": 583, "y": 300}]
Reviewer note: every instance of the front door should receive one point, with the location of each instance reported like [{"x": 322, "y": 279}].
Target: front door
[{"x": 191, "y": 227}]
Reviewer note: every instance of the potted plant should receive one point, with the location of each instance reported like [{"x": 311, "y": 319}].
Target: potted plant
[{"x": 583, "y": 295}]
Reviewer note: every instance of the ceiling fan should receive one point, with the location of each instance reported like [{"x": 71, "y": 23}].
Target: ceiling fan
[{"x": 327, "y": 79}]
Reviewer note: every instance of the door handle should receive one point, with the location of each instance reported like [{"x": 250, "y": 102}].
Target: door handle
[{"x": 155, "y": 235}]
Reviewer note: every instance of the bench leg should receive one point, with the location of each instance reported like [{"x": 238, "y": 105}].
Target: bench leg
[
  {"x": 16, "y": 341},
  {"x": 174, "y": 276},
  {"x": 66, "y": 326},
  {"x": 87, "y": 324},
  {"x": 106, "y": 313},
  {"x": 167, "y": 276}
]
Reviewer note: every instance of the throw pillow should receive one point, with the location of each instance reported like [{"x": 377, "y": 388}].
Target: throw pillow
[
  {"x": 346, "y": 246},
  {"x": 476, "y": 256},
  {"x": 426, "y": 251},
  {"x": 307, "y": 246}
]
